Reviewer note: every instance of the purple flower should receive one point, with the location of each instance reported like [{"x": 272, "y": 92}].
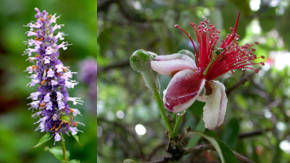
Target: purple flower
[
  {"x": 51, "y": 100},
  {"x": 88, "y": 71},
  {"x": 88, "y": 75}
]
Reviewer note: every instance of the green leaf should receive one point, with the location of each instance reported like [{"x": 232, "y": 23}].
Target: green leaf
[
  {"x": 57, "y": 152},
  {"x": 45, "y": 138},
  {"x": 225, "y": 153},
  {"x": 197, "y": 108},
  {"x": 77, "y": 139},
  {"x": 195, "y": 138},
  {"x": 231, "y": 132}
]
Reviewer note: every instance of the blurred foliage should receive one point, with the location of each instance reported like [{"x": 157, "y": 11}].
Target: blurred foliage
[
  {"x": 257, "y": 118},
  {"x": 17, "y": 135}
]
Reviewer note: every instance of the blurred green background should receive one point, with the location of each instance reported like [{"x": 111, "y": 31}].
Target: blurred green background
[
  {"x": 17, "y": 135},
  {"x": 258, "y": 112}
]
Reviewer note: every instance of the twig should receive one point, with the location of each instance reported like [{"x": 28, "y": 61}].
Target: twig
[
  {"x": 253, "y": 133},
  {"x": 242, "y": 158},
  {"x": 155, "y": 150},
  {"x": 200, "y": 148},
  {"x": 240, "y": 82},
  {"x": 197, "y": 148},
  {"x": 120, "y": 64}
]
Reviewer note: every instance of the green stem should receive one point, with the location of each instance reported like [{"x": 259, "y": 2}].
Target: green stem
[
  {"x": 162, "y": 111},
  {"x": 177, "y": 123},
  {"x": 174, "y": 118},
  {"x": 63, "y": 149},
  {"x": 207, "y": 68}
]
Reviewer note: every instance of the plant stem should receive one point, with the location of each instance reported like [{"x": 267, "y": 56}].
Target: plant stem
[
  {"x": 174, "y": 118},
  {"x": 175, "y": 129},
  {"x": 162, "y": 111},
  {"x": 63, "y": 148}
]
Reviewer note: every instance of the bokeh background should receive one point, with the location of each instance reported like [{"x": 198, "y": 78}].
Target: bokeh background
[
  {"x": 17, "y": 135},
  {"x": 257, "y": 119}
]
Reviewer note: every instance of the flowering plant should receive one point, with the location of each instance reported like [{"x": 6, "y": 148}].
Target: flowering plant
[
  {"x": 51, "y": 100},
  {"x": 193, "y": 78},
  {"x": 191, "y": 75}
]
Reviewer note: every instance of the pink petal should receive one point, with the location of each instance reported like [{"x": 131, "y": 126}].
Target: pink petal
[
  {"x": 215, "y": 105},
  {"x": 167, "y": 64},
  {"x": 182, "y": 90}
]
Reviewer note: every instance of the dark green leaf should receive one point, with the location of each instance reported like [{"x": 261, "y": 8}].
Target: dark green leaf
[
  {"x": 45, "y": 138},
  {"x": 195, "y": 138},
  {"x": 196, "y": 108},
  {"x": 225, "y": 153},
  {"x": 231, "y": 133}
]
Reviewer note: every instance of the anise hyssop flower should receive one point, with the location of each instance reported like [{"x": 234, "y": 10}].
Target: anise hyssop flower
[
  {"x": 191, "y": 75},
  {"x": 50, "y": 101}
]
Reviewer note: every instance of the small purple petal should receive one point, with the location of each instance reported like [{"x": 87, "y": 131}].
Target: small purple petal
[{"x": 57, "y": 137}]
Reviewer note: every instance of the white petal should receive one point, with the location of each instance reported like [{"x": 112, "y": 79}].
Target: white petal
[
  {"x": 167, "y": 64},
  {"x": 57, "y": 137},
  {"x": 215, "y": 105},
  {"x": 73, "y": 130}
]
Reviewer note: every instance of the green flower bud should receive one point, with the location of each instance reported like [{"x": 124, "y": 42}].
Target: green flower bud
[{"x": 140, "y": 62}]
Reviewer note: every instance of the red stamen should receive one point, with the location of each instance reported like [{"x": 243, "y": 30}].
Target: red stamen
[
  {"x": 231, "y": 36},
  {"x": 229, "y": 57},
  {"x": 195, "y": 50}
]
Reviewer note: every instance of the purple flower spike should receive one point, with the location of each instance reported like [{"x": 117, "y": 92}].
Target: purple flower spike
[{"x": 51, "y": 100}]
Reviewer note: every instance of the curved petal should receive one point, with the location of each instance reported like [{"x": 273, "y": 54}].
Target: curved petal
[
  {"x": 215, "y": 105},
  {"x": 167, "y": 64},
  {"x": 182, "y": 90}
]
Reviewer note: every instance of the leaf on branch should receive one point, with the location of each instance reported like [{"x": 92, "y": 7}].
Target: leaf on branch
[
  {"x": 57, "y": 152},
  {"x": 231, "y": 132},
  {"x": 45, "y": 138},
  {"x": 195, "y": 138},
  {"x": 225, "y": 153}
]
